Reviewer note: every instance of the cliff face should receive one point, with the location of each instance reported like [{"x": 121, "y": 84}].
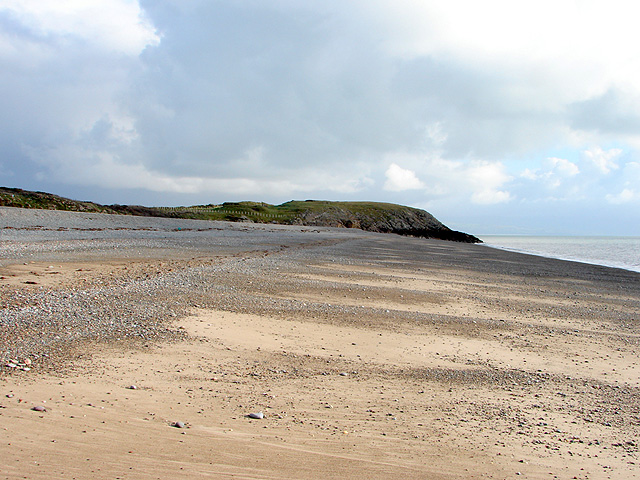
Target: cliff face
[{"x": 383, "y": 218}]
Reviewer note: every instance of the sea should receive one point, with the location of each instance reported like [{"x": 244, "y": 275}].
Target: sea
[{"x": 618, "y": 252}]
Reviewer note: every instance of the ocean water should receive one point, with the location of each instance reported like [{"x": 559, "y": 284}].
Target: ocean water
[{"x": 619, "y": 252}]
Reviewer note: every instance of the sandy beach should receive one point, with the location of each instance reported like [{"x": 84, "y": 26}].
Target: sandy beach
[{"x": 138, "y": 348}]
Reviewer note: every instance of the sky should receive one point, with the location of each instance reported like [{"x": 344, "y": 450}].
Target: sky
[{"x": 498, "y": 117}]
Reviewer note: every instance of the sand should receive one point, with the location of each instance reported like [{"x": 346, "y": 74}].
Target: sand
[{"x": 370, "y": 356}]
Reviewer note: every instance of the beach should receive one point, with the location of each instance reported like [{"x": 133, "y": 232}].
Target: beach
[{"x": 140, "y": 348}]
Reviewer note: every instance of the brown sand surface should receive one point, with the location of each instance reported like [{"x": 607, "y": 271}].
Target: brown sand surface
[{"x": 369, "y": 356}]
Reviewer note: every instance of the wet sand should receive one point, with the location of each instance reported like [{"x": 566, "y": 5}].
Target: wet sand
[{"x": 370, "y": 356}]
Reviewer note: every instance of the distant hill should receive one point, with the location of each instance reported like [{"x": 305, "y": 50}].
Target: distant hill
[
  {"x": 370, "y": 216},
  {"x": 16, "y": 197}
]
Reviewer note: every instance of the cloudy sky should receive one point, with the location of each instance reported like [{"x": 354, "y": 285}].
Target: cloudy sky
[{"x": 495, "y": 116}]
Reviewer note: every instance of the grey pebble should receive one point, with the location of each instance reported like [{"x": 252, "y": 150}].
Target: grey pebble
[
  {"x": 257, "y": 416},
  {"x": 39, "y": 408},
  {"x": 178, "y": 425}
]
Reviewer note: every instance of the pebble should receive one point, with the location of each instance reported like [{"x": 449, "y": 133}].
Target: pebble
[
  {"x": 149, "y": 301},
  {"x": 39, "y": 408},
  {"x": 132, "y": 387}
]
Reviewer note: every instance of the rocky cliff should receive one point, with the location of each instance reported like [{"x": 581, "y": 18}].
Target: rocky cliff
[{"x": 378, "y": 217}]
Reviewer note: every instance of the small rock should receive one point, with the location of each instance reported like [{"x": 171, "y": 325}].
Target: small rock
[
  {"x": 178, "y": 425},
  {"x": 343, "y": 374},
  {"x": 39, "y": 408},
  {"x": 132, "y": 387},
  {"x": 257, "y": 416}
]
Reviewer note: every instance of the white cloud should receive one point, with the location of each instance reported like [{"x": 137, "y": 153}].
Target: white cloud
[
  {"x": 552, "y": 173},
  {"x": 490, "y": 197},
  {"x": 485, "y": 174},
  {"x": 400, "y": 179},
  {"x": 581, "y": 47},
  {"x": 481, "y": 182},
  {"x": 625, "y": 196},
  {"x": 486, "y": 179},
  {"x": 602, "y": 177},
  {"x": 118, "y": 25},
  {"x": 604, "y": 160},
  {"x": 564, "y": 167},
  {"x": 435, "y": 134},
  {"x": 83, "y": 165}
]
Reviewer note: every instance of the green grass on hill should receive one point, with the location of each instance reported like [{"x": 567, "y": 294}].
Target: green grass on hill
[
  {"x": 286, "y": 213},
  {"x": 16, "y": 197},
  {"x": 373, "y": 216},
  {"x": 260, "y": 212}
]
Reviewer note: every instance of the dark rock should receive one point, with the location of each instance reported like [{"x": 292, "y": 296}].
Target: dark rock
[{"x": 382, "y": 218}]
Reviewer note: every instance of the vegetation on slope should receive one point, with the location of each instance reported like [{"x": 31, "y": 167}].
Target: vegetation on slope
[
  {"x": 16, "y": 197},
  {"x": 370, "y": 216}
]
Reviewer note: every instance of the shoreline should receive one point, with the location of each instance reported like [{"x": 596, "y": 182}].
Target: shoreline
[
  {"x": 539, "y": 251},
  {"x": 369, "y": 355}
]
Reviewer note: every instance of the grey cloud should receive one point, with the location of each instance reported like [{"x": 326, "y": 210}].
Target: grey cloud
[
  {"x": 613, "y": 112},
  {"x": 307, "y": 87},
  {"x": 305, "y": 92},
  {"x": 298, "y": 84},
  {"x": 304, "y": 86},
  {"x": 482, "y": 113}
]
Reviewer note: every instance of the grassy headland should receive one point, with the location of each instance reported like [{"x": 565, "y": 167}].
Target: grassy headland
[{"x": 370, "y": 216}]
